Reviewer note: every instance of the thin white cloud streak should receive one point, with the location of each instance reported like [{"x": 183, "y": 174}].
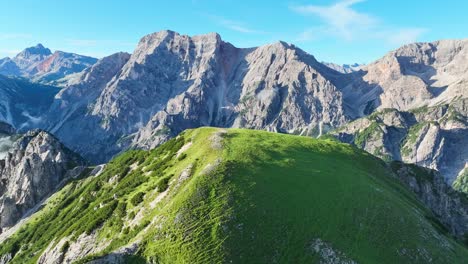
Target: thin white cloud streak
[
  {"x": 235, "y": 25},
  {"x": 340, "y": 18},
  {"x": 341, "y": 21}
]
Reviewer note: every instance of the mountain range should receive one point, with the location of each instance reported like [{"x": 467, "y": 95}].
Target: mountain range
[
  {"x": 172, "y": 82},
  {"x": 39, "y": 64},
  {"x": 411, "y": 106}
]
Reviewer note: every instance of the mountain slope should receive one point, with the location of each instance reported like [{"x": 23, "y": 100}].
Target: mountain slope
[
  {"x": 214, "y": 195},
  {"x": 22, "y": 103}
]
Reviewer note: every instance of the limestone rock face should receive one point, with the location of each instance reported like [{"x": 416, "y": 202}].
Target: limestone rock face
[
  {"x": 70, "y": 118},
  {"x": 413, "y": 76},
  {"x": 433, "y": 137},
  {"x": 35, "y": 166}
]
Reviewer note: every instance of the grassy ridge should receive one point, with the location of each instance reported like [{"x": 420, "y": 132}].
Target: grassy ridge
[{"x": 255, "y": 197}]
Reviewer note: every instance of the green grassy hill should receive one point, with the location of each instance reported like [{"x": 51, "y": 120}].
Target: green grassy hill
[{"x": 237, "y": 196}]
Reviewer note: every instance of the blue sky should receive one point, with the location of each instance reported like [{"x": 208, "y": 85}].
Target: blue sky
[{"x": 341, "y": 31}]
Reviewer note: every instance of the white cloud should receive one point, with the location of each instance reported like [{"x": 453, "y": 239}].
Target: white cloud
[
  {"x": 340, "y": 18},
  {"x": 405, "y": 35},
  {"x": 235, "y": 25},
  {"x": 342, "y": 21}
]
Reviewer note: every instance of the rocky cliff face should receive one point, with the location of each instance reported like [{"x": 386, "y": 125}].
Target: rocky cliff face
[
  {"x": 450, "y": 207},
  {"x": 173, "y": 82},
  {"x": 70, "y": 116},
  {"x": 34, "y": 167},
  {"x": 433, "y": 137},
  {"x": 41, "y": 65},
  {"x": 413, "y": 76}
]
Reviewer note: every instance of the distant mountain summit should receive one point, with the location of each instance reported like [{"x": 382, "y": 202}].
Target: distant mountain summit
[
  {"x": 36, "y": 53},
  {"x": 41, "y": 65},
  {"x": 344, "y": 68}
]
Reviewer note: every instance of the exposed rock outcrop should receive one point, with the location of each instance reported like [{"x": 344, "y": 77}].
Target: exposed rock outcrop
[
  {"x": 33, "y": 169},
  {"x": 70, "y": 117},
  {"x": 449, "y": 206},
  {"x": 433, "y": 137}
]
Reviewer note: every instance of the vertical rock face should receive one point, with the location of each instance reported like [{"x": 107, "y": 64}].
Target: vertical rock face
[
  {"x": 33, "y": 169},
  {"x": 70, "y": 117},
  {"x": 449, "y": 206}
]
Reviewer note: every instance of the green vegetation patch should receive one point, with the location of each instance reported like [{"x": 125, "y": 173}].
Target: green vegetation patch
[{"x": 362, "y": 137}]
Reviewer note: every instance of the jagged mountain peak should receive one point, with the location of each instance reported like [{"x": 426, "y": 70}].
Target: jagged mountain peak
[
  {"x": 39, "y": 49},
  {"x": 39, "y": 64}
]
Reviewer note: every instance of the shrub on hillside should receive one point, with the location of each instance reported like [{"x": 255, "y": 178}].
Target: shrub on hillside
[{"x": 137, "y": 198}]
